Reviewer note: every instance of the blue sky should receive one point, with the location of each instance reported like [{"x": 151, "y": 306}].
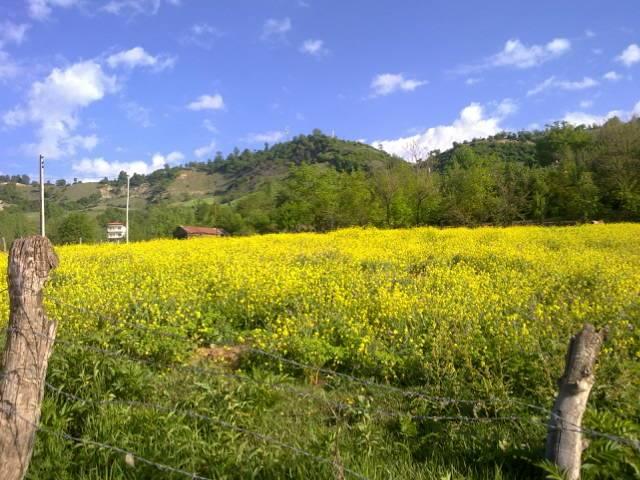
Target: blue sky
[{"x": 100, "y": 86}]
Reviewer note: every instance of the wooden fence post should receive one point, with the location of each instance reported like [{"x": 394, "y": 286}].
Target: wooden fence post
[
  {"x": 29, "y": 343},
  {"x": 564, "y": 437}
]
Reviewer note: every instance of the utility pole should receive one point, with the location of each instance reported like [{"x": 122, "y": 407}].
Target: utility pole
[
  {"x": 127, "y": 214},
  {"x": 42, "y": 229}
]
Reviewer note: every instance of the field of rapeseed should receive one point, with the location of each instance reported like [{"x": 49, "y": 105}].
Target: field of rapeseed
[{"x": 462, "y": 313}]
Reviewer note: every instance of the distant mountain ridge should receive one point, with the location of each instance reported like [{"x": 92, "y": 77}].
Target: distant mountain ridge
[
  {"x": 223, "y": 179},
  {"x": 317, "y": 182}
]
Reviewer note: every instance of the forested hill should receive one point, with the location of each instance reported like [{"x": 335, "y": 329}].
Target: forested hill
[
  {"x": 518, "y": 147},
  {"x": 317, "y": 182}
]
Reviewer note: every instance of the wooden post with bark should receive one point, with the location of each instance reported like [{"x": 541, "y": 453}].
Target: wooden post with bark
[
  {"x": 564, "y": 438},
  {"x": 29, "y": 343}
]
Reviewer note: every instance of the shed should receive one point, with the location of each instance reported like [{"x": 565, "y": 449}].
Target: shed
[{"x": 183, "y": 231}]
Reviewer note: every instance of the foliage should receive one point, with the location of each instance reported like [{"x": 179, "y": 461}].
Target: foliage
[
  {"x": 463, "y": 313},
  {"x": 75, "y": 228},
  {"x": 320, "y": 183}
]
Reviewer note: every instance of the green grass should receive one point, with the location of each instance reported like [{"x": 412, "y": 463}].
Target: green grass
[
  {"x": 80, "y": 190},
  {"x": 194, "y": 184},
  {"x": 152, "y": 305},
  {"x": 333, "y": 421}
]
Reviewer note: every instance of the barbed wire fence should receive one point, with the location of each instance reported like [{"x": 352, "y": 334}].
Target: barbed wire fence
[
  {"x": 551, "y": 420},
  {"x": 267, "y": 439}
]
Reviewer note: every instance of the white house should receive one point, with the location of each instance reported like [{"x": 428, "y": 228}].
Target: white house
[{"x": 116, "y": 231}]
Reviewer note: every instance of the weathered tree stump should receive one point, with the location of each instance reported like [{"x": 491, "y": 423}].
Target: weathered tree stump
[
  {"x": 30, "y": 337},
  {"x": 564, "y": 437}
]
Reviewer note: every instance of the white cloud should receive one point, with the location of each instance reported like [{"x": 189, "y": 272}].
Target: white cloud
[
  {"x": 209, "y": 126},
  {"x": 206, "y": 150},
  {"x": 505, "y": 108},
  {"x": 12, "y": 32},
  {"x": 629, "y": 55},
  {"x": 172, "y": 158},
  {"x": 266, "y": 137},
  {"x": 388, "y": 83},
  {"x": 136, "y": 7},
  {"x": 8, "y": 67},
  {"x": 99, "y": 167},
  {"x": 138, "y": 57},
  {"x": 517, "y": 54},
  {"x": 558, "y": 46},
  {"x": 54, "y": 104},
  {"x": 201, "y": 35},
  {"x": 314, "y": 47},
  {"x": 553, "y": 82},
  {"x": 612, "y": 76},
  {"x": 589, "y": 33},
  {"x": 472, "y": 123},
  {"x": 472, "y": 81},
  {"x": 41, "y": 9},
  {"x": 582, "y": 118},
  {"x": 203, "y": 29},
  {"x": 137, "y": 113},
  {"x": 207, "y": 102},
  {"x": 586, "y": 104},
  {"x": 276, "y": 28}
]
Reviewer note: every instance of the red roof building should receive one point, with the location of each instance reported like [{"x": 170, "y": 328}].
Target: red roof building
[{"x": 189, "y": 232}]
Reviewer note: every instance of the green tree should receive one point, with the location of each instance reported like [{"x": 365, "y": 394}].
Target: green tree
[
  {"x": 616, "y": 166},
  {"x": 469, "y": 189},
  {"x": 75, "y": 228},
  {"x": 559, "y": 137},
  {"x": 424, "y": 193},
  {"x": 387, "y": 186},
  {"x": 512, "y": 192},
  {"x": 574, "y": 193},
  {"x": 15, "y": 224},
  {"x": 308, "y": 199},
  {"x": 357, "y": 204}
]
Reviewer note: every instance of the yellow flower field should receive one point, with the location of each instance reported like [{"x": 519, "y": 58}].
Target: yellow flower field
[
  {"x": 402, "y": 305},
  {"x": 483, "y": 315}
]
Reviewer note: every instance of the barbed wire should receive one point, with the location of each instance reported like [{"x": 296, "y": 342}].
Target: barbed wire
[
  {"x": 105, "y": 446},
  {"x": 193, "y": 414},
  {"x": 635, "y": 444},
  {"x": 341, "y": 406},
  {"x": 289, "y": 388},
  {"x": 284, "y": 386},
  {"x": 327, "y": 371},
  {"x": 390, "y": 388}
]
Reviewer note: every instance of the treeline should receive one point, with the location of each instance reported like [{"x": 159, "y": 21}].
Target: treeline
[
  {"x": 22, "y": 179},
  {"x": 563, "y": 173}
]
